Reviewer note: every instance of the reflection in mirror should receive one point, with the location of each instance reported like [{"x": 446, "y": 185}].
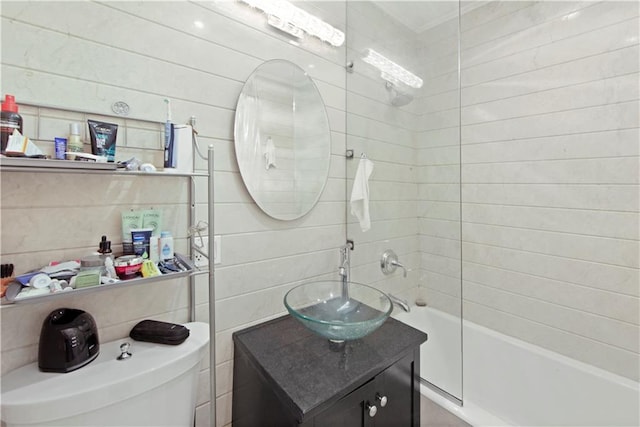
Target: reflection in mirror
[{"x": 282, "y": 140}]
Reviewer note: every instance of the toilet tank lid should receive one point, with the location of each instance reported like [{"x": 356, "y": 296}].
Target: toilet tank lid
[{"x": 31, "y": 396}]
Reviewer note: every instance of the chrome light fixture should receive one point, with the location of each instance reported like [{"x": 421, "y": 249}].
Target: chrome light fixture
[
  {"x": 291, "y": 19},
  {"x": 390, "y": 71}
]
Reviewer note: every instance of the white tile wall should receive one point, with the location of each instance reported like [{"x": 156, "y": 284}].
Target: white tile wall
[
  {"x": 550, "y": 176},
  {"x": 54, "y": 56},
  {"x": 385, "y": 134}
]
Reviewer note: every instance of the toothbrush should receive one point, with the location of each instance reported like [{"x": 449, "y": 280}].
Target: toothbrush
[{"x": 168, "y": 134}]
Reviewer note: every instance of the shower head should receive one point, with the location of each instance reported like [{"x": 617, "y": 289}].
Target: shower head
[{"x": 396, "y": 96}]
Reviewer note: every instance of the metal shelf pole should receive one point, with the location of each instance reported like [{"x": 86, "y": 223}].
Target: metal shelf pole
[{"x": 212, "y": 289}]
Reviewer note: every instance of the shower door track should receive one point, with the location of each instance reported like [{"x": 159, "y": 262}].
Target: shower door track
[{"x": 441, "y": 392}]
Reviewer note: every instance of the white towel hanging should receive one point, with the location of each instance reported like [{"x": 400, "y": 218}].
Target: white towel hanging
[
  {"x": 269, "y": 154},
  {"x": 360, "y": 193}
]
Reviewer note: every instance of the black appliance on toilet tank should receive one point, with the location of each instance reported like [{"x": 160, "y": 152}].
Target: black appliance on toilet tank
[{"x": 68, "y": 340}]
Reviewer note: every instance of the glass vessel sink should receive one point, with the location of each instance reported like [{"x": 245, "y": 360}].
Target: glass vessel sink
[{"x": 325, "y": 309}]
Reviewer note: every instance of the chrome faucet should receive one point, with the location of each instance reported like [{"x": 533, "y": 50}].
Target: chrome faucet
[
  {"x": 400, "y": 302},
  {"x": 345, "y": 261},
  {"x": 345, "y": 269}
]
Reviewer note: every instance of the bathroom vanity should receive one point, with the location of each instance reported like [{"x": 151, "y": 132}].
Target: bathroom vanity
[{"x": 284, "y": 375}]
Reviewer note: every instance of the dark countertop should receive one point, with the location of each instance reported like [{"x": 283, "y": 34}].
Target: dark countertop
[{"x": 307, "y": 374}]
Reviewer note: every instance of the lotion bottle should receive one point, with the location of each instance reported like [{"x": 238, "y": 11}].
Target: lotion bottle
[{"x": 166, "y": 246}]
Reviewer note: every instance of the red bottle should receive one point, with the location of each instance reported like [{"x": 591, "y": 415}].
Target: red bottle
[{"x": 9, "y": 121}]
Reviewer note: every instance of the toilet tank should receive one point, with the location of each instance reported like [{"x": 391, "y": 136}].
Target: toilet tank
[{"x": 155, "y": 387}]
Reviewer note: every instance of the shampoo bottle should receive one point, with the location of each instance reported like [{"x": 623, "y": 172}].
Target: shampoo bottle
[
  {"x": 74, "y": 143},
  {"x": 166, "y": 246},
  {"x": 10, "y": 120}
]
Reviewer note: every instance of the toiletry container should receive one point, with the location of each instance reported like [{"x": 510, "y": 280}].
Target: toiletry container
[
  {"x": 166, "y": 246},
  {"x": 156, "y": 386},
  {"x": 10, "y": 120},
  {"x": 74, "y": 143},
  {"x": 104, "y": 248},
  {"x": 154, "y": 249}
]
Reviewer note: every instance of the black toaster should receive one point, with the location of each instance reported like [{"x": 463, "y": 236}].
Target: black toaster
[{"x": 68, "y": 340}]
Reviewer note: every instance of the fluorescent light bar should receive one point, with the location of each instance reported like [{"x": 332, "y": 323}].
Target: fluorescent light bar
[
  {"x": 285, "y": 26},
  {"x": 391, "y": 71},
  {"x": 293, "y": 20}
]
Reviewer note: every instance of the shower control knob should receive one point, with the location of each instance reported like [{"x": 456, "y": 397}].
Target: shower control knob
[
  {"x": 382, "y": 400},
  {"x": 372, "y": 410}
]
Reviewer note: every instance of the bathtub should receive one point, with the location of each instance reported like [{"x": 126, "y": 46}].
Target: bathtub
[{"x": 510, "y": 382}]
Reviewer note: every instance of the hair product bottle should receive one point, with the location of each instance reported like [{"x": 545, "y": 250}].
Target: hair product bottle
[
  {"x": 74, "y": 143},
  {"x": 10, "y": 120}
]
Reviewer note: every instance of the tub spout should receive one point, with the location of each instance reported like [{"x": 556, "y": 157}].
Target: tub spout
[{"x": 400, "y": 302}]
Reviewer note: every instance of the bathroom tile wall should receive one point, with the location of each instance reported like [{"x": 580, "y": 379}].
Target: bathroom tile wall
[
  {"x": 81, "y": 57},
  {"x": 437, "y": 142},
  {"x": 384, "y": 134},
  {"x": 550, "y": 176},
  {"x": 415, "y": 185}
]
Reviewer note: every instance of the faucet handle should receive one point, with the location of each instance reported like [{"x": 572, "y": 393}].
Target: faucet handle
[{"x": 389, "y": 263}]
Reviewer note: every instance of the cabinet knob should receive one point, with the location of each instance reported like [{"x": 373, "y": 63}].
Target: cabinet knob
[
  {"x": 372, "y": 410},
  {"x": 382, "y": 400}
]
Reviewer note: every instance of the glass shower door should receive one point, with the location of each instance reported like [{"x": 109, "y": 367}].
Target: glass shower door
[{"x": 403, "y": 114}]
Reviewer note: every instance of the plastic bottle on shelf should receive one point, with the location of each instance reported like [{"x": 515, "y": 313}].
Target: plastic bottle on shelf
[
  {"x": 110, "y": 269},
  {"x": 154, "y": 249},
  {"x": 166, "y": 246},
  {"x": 104, "y": 248},
  {"x": 74, "y": 143},
  {"x": 10, "y": 120}
]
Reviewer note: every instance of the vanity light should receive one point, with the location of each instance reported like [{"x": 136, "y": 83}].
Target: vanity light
[
  {"x": 285, "y": 26},
  {"x": 391, "y": 71},
  {"x": 291, "y": 19}
]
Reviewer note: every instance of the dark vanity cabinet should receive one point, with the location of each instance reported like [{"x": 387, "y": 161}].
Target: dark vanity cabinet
[
  {"x": 284, "y": 375},
  {"x": 386, "y": 400}
]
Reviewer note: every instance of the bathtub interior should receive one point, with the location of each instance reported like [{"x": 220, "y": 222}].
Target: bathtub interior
[
  {"x": 510, "y": 382},
  {"x": 528, "y": 385}
]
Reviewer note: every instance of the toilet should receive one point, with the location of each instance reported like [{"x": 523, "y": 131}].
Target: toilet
[{"x": 156, "y": 386}]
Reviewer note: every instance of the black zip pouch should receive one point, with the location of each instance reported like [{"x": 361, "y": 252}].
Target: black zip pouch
[{"x": 159, "y": 332}]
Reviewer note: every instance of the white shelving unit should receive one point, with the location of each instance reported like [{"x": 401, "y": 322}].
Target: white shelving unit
[{"x": 21, "y": 164}]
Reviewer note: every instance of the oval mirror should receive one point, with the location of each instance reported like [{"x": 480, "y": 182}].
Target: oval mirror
[{"x": 282, "y": 139}]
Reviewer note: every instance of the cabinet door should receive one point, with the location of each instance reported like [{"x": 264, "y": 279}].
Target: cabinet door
[
  {"x": 350, "y": 411},
  {"x": 396, "y": 384}
]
